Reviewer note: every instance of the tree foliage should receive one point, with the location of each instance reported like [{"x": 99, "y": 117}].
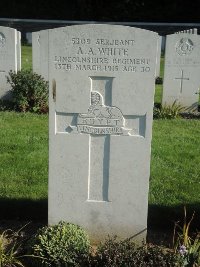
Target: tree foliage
[{"x": 103, "y": 10}]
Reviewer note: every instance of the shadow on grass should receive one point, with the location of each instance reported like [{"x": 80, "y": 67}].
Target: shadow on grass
[
  {"x": 164, "y": 217},
  {"x": 23, "y": 209},
  {"x": 157, "y": 105},
  {"x": 159, "y": 217}
]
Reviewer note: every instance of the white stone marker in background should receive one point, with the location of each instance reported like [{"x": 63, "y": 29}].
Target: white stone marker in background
[
  {"x": 101, "y": 103},
  {"x": 36, "y": 51},
  {"x": 191, "y": 31},
  {"x": 182, "y": 69},
  {"x": 19, "y": 50},
  {"x": 9, "y": 51},
  {"x": 40, "y": 53},
  {"x": 158, "y": 56}
]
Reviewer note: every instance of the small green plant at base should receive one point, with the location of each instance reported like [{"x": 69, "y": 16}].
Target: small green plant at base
[
  {"x": 10, "y": 249},
  {"x": 63, "y": 244},
  {"x": 168, "y": 111},
  {"x": 29, "y": 91},
  {"x": 186, "y": 247}
]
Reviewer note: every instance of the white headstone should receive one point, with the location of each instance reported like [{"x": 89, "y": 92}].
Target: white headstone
[
  {"x": 158, "y": 56},
  {"x": 8, "y": 57},
  {"x": 182, "y": 68},
  {"x": 40, "y": 53},
  {"x": 36, "y": 51},
  {"x": 101, "y": 103},
  {"x": 18, "y": 50}
]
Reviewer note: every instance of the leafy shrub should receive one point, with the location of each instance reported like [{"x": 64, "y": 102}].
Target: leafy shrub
[
  {"x": 64, "y": 244},
  {"x": 114, "y": 253},
  {"x": 125, "y": 253},
  {"x": 29, "y": 91},
  {"x": 157, "y": 256},
  {"x": 168, "y": 111}
]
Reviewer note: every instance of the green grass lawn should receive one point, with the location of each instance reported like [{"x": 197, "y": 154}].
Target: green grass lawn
[
  {"x": 162, "y": 66},
  {"x": 23, "y": 165},
  {"x": 26, "y": 57},
  {"x": 158, "y": 93},
  {"x": 175, "y": 170},
  {"x": 24, "y": 155},
  {"x": 159, "y": 87},
  {"x": 175, "y": 166}
]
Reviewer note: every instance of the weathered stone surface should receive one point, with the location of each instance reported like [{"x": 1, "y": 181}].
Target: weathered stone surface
[
  {"x": 36, "y": 51},
  {"x": 40, "y": 53},
  {"x": 182, "y": 68},
  {"x": 10, "y": 59},
  {"x": 101, "y": 103},
  {"x": 19, "y": 50},
  {"x": 158, "y": 56}
]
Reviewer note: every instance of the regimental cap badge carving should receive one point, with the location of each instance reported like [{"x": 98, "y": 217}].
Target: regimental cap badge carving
[
  {"x": 184, "y": 46},
  {"x": 2, "y": 40},
  {"x": 101, "y": 119}
]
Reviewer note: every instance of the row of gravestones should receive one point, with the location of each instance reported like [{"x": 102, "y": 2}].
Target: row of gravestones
[
  {"x": 182, "y": 63},
  {"x": 101, "y": 95},
  {"x": 10, "y": 56}
]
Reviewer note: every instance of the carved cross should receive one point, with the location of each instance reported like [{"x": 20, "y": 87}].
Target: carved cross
[
  {"x": 101, "y": 122},
  {"x": 99, "y": 146},
  {"x": 181, "y": 81}
]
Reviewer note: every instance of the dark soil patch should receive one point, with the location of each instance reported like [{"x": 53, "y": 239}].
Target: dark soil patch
[{"x": 30, "y": 228}]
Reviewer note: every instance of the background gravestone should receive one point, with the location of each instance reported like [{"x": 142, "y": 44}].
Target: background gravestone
[
  {"x": 182, "y": 68},
  {"x": 36, "y": 51},
  {"x": 40, "y": 53},
  {"x": 101, "y": 103},
  {"x": 193, "y": 31},
  {"x": 158, "y": 56},
  {"x": 10, "y": 57},
  {"x": 19, "y": 50}
]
